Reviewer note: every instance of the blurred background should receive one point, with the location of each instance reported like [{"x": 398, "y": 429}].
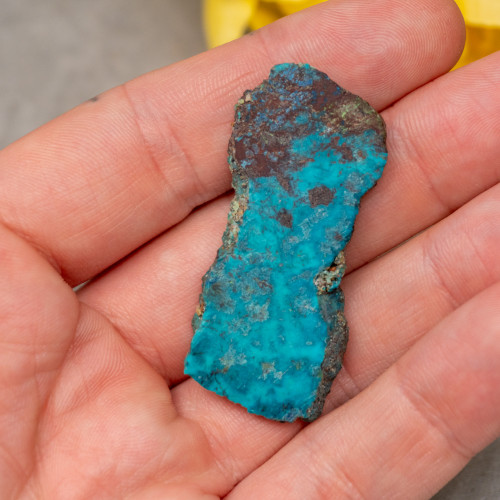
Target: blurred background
[{"x": 58, "y": 53}]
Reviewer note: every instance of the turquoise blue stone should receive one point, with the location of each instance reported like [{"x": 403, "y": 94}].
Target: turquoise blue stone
[{"x": 270, "y": 331}]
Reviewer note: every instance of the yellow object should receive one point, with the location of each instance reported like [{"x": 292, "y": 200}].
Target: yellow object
[
  {"x": 480, "y": 12},
  {"x": 291, "y": 6},
  {"x": 482, "y": 21},
  {"x": 226, "y": 20},
  {"x": 265, "y": 13}
]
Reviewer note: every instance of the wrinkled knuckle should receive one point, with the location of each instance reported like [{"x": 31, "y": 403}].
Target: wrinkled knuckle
[{"x": 433, "y": 419}]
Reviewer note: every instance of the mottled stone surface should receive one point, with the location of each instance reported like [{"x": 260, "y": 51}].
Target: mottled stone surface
[{"x": 270, "y": 331}]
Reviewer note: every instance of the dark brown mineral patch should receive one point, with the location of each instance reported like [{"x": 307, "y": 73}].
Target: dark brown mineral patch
[{"x": 321, "y": 195}]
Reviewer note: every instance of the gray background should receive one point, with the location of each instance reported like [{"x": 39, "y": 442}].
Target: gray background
[
  {"x": 55, "y": 54},
  {"x": 58, "y": 53}
]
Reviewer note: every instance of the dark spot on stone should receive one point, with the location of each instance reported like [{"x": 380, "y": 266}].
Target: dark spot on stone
[
  {"x": 320, "y": 195},
  {"x": 322, "y": 91},
  {"x": 264, "y": 285},
  {"x": 285, "y": 218},
  {"x": 261, "y": 167},
  {"x": 346, "y": 152},
  {"x": 344, "y": 149}
]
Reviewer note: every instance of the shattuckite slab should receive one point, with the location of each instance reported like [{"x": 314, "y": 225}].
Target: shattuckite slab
[{"x": 270, "y": 331}]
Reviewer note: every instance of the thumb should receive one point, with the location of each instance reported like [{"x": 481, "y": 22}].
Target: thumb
[{"x": 38, "y": 315}]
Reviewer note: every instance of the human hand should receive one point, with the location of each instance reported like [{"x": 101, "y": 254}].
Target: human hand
[{"x": 86, "y": 410}]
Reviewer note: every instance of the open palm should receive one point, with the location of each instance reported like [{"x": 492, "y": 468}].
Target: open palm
[{"x": 93, "y": 400}]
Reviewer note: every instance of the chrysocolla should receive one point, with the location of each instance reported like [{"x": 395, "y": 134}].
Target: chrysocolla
[{"x": 270, "y": 332}]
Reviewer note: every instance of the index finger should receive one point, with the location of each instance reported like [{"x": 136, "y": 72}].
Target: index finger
[{"x": 95, "y": 184}]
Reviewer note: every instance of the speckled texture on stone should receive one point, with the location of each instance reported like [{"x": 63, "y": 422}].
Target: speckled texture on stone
[{"x": 270, "y": 331}]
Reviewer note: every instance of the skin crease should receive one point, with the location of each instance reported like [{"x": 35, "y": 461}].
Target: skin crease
[{"x": 108, "y": 190}]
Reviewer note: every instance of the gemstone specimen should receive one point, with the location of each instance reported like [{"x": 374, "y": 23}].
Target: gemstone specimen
[{"x": 270, "y": 331}]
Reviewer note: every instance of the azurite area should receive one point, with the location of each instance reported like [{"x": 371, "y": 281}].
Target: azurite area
[{"x": 270, "y": 331}]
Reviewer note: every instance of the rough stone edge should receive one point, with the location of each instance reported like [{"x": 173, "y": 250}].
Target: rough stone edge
[{"x": 335, "y": 348}]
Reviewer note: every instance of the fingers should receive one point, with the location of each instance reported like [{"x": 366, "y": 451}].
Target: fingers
[
  {"x": 390, "y": 304},
  {"x": 443, "y": 150},
  {"x": 38, "y": 316},
  {"x": 100, "y": 181},
  {"x": 459, "y": 246},
  {"x": 408, "y": 433}
]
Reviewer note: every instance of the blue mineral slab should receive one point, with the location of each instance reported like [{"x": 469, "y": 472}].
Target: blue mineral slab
[{"x": 270, "y": 331}]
